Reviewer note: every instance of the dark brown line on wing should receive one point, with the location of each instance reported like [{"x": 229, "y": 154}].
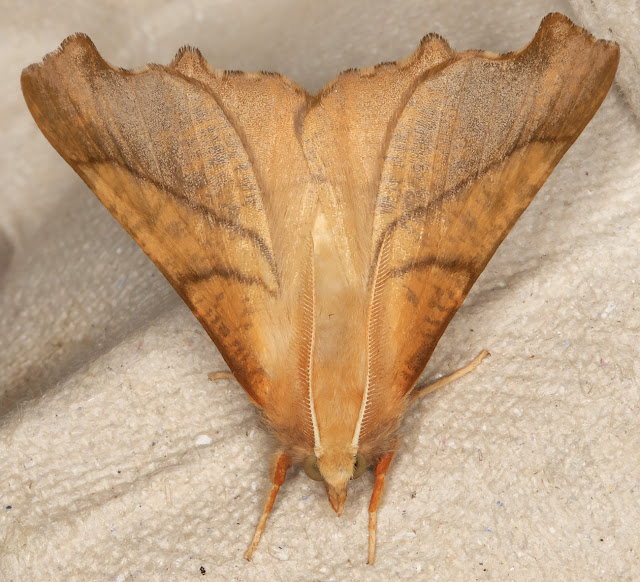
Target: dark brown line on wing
[
  {"x": 455, "y": 266},
  {"x": 193, "y": 206},
  {"x": 435, "y": 201},
  {"x": 116, "y": 141},
  {"x": 466, "y": 182},
  {"x": 194, "y": 278}
]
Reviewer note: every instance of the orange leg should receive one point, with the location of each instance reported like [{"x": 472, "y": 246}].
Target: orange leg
[
  {"x": 380, "y": 472},
  {"x": 420, "y": 391},
  {"x": 277, "y": 479}
]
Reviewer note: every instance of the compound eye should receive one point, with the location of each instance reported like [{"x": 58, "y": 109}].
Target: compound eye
[
  {"x": 360, "y": 466},
  {"x": 311, "y": 468}
]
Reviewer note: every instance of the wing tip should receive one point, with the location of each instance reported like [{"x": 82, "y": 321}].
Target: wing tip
[
  {"x": 556, "y": 27},
  {"x": 562, "y": 21},
  {"x": 77, "y": 39},
  {"x": 73, "y": 40},
  {"x": 561, "y": 26},
  {"x": 79, "y": 48}
]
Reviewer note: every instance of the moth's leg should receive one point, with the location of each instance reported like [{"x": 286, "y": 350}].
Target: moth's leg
[
  {"x": 420, "y": 391},
  {"x": 380, "y": 472},
  {"x": 213, "y": 376},
  {"x": 277, "y": 479}
]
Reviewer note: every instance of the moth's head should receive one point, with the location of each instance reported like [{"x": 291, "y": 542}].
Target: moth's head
[{"x": 336, "y": 467}]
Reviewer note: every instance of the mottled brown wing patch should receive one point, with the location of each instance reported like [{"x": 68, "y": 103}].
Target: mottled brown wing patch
[
  {"x": 163, "y": 157},
  {"x": 475, "y": 142}
]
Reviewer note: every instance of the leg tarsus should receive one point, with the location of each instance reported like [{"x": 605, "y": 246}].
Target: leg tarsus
[
  {"x": 213, "y": 376},
  {"x": 380, "y": 472},
  {"x": 283, "y": 463},
  {"x": 373, "y": 527},
  {"x": 420, "y": 391}
]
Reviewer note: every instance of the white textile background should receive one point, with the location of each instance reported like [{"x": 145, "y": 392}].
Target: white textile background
[{"x": 119, "y": 460}]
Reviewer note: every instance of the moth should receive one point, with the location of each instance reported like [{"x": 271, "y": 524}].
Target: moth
[{"x": 325, "y": 241}]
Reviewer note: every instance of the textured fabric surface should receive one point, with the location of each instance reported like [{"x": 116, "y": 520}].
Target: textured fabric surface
[
  {"x": 120, "y": 461},
  {"x": 619, "y": 20}
]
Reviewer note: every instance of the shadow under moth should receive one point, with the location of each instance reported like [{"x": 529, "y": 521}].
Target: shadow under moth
[{"x": 325, "y": 241}]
